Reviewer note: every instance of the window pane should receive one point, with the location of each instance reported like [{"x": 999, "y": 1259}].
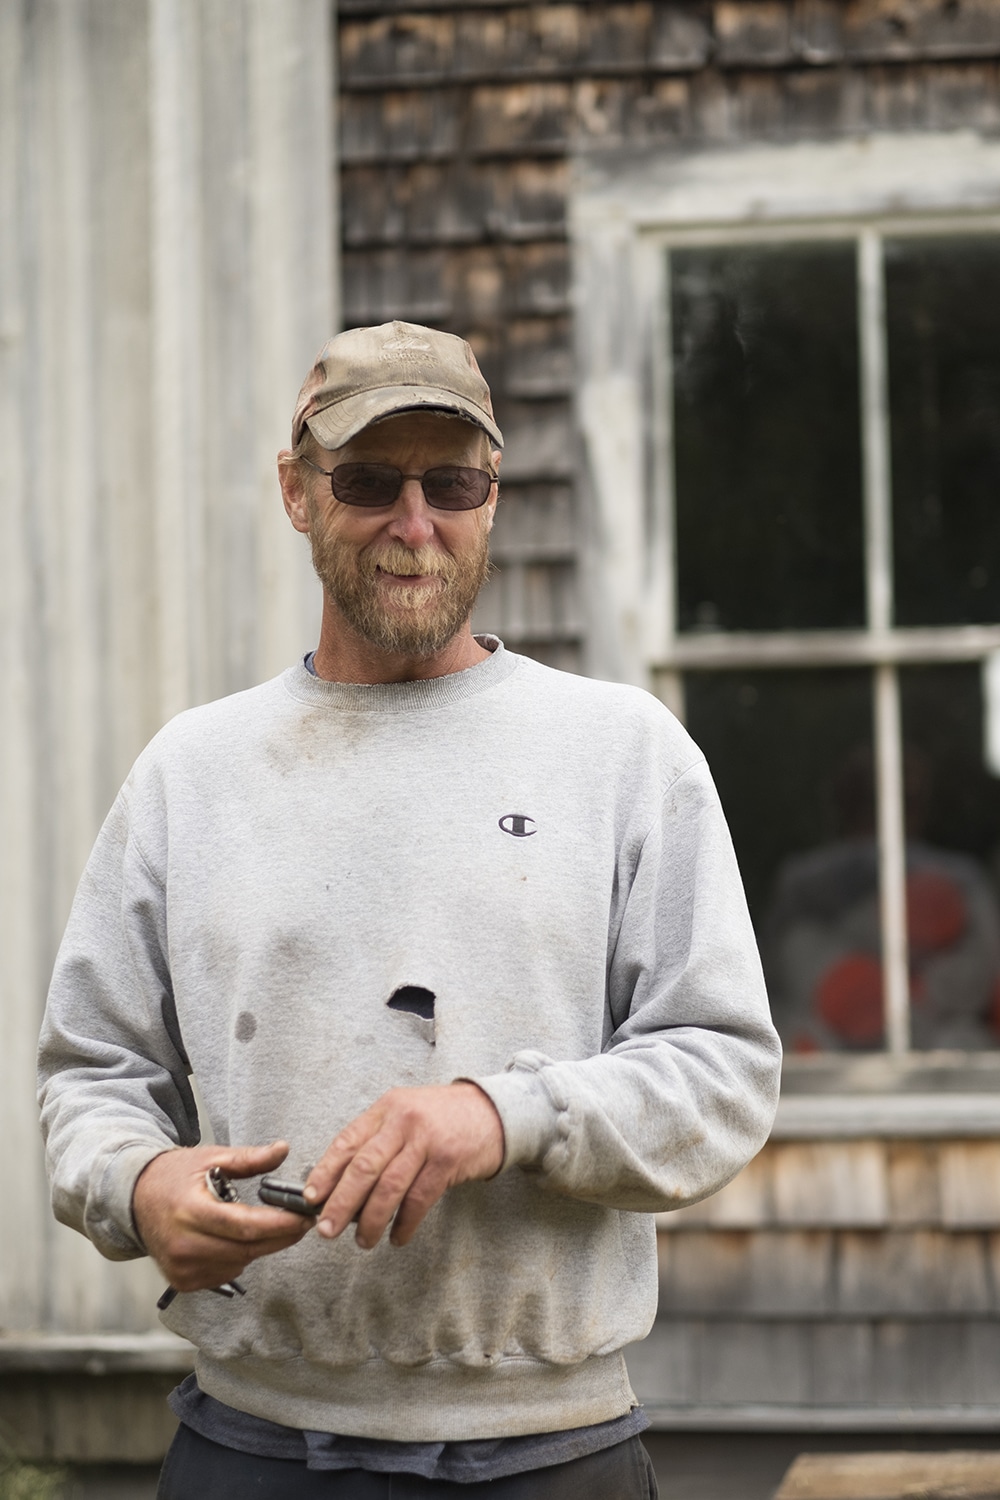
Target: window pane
[
  {"x": 791, "y": 754},
  {"x": 953, "y": 848},
  {"x": 943, "y": 313},
  {"x": 767, "y": 444}
]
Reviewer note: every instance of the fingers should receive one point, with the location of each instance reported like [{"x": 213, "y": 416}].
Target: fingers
[
  {"x": 249, "y": 1161},
  {"x": 197, "y": 1240},
  {"x": 196, "y": 1261},
  {"x": 373, "y": 1187},
  {"x": 424, "y": 1192},
  {"x": 342, "y": 1150},
  {"x": 244, "y": 1223},
  {"x": 401, "y": 1155}
]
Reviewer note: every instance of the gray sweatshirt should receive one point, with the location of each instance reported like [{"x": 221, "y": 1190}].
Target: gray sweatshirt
[{"x": 546, "y": 856}]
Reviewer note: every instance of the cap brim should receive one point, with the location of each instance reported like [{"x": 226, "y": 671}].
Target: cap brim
[{"x": 335, "y": 425}]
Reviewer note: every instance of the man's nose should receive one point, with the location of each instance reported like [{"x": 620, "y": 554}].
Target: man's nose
[{"x": 411, "y": 522}]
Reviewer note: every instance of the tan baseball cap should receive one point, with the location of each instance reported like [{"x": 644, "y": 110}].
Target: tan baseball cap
[{"x": 365, "y": 374}]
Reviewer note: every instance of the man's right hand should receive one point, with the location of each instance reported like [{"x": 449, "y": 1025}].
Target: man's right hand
[{"x": 196, "y": 1240}]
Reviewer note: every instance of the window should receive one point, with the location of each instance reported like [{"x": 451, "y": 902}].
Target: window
[{"x": 804, "y": 501}]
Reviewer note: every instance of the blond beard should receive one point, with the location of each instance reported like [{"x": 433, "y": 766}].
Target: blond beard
[{"x": 427, "y": 615}]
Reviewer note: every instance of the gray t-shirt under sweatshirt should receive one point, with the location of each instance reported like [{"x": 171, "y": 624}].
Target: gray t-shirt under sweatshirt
[{"x": 543, "y": 855}]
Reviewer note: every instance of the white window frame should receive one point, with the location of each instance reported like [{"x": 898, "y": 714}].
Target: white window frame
[{"x": 625, "y": 217}]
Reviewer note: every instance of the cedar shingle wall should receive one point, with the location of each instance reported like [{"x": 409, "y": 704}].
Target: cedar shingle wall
[
  {"x": 459, "y": 123},
  {"x": 859, "y": 1278}
]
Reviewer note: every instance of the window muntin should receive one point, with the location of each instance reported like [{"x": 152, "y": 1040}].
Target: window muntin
[{"x": 906, "y": 875}]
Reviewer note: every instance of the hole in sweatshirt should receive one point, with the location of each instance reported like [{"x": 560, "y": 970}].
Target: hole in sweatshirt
[{"x": 414, "y": 999}]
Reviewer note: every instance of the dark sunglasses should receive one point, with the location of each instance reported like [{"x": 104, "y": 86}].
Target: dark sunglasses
[{"x": 446, "y": 488}]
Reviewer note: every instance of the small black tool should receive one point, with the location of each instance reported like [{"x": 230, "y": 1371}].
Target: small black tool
[
  {"x": 288, "y": 1195},
  {"x": 220, "y": 1187}
]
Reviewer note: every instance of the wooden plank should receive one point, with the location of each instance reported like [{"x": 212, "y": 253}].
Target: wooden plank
[
  {"x": 516, "y": 292},
  {"x": 758, "y": 107},
  {"x": 914, "y": 1183},
  {"x": 754, "y": 1273},
  {"x": 981, "y": 1350},
  {"x": 539, "y": 440},
  {"x": 536, "y": 37},
  {"x": 892, "y": 1476},
  {"x": 761, "y": 1363},
  {"x": 664, "y": 1367},
  {"x": 403, "y": 45},
  {"x": 453, "y": 202},
  {"x": 401, "y": 124},
  {"x": 88, "y": 1418},
  {"x": 924, "y": 1364},
  {"x": 618, "y": 34},
  {"x": 96, "y": 1353},
  {"x": 682, "y": 36},
  {"x": 536, "y": 278},
  {"x": 384, "y": 7},
  {"x": 919, "y": 1272},
  {"x": 25, "y": 788},
  {"x": 873, "y": 30},
  {"x": 840, "y": 1182},
  {"x": 970, "y": 1184},
  {"x": 538, "y": 358},
  {"x": 379, "y": 285},
  {"x": 531, "y": 603},
  {"x": 941, "y": 1375},
  {"x": 842, "y": 1363},
  {"x": 745, "y": 1203},
  {"x": 434, "y": 45},
  {"x": 753, "y": 33},
  {"x": 519, "y": 118},
  {"x": 535, "y": 520},
  {"x": 818, "y": 30},
  {"x": 962, "y": 96},
  {"x": 635, "y": 112}
]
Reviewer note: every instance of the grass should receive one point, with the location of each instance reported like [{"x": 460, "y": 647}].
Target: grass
[{"x": 23, "y": 1481}]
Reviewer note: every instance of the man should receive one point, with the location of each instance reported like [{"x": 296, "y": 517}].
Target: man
[{"x": 463, "y": 940}]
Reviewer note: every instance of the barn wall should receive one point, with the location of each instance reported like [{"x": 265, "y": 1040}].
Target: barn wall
[
  {"x": 834, "y": 1284},
  {"x": 460, "y": 127},
  {"x": 837, "y": 1283},
  {"x": 167, "y": 272}
]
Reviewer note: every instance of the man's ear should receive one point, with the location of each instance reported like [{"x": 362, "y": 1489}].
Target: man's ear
[
  {"x": 293, "y": 493},
  {"x": 496, "y": 459}
]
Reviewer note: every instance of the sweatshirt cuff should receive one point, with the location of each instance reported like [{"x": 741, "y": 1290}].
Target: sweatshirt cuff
[
  {"x": 114, "y": 1231},
  {"x": 531, "y": 1121}
]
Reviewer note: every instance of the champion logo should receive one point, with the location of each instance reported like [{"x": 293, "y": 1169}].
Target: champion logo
[{"x": 517, "y": 825}]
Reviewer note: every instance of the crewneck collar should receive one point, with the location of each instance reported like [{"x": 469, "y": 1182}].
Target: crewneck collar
[{"x": 404, "y": 697}]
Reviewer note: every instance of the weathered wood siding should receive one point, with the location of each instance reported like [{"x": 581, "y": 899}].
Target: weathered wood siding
[
  {"x": 836, "y": 1283},
  {"x": 166, "y": 275},
  {"x": 844, "y": 1283},
  {"x": 460, "y": 124}
]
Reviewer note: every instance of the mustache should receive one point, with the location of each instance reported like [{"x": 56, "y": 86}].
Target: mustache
[{"x": 406, "y": 562}]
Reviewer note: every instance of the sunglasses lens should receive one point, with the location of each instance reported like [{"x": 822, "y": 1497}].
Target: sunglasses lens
[
  {"x": 379, "y": 484},
  {"x": 366, "y": 484},
  {"x": 456, "y": 489}
]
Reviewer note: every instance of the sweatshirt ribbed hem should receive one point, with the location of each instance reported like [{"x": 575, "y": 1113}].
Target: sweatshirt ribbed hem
[{"x": 440, "y": 1401}]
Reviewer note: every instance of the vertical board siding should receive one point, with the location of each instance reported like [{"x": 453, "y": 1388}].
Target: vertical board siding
[{"x": 167, "y": 234}]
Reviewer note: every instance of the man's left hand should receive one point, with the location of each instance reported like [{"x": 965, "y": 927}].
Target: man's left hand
[{"x": 401, "y": 1156}]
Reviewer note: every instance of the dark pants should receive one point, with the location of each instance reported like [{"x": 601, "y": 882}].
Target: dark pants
[{"x": 197, "y": 1469}]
